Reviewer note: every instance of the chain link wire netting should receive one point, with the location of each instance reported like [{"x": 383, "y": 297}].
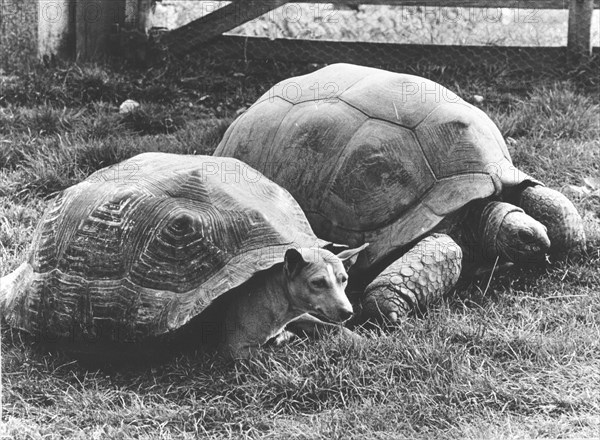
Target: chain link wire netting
[
  {"x": 18, "y": 29},
  {"x": 384, "y": 36}
]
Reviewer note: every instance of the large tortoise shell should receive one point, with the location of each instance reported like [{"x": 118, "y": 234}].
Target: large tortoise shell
[
  {"x": 141, "y": 247},
  {"x": 370, "y": 155}
]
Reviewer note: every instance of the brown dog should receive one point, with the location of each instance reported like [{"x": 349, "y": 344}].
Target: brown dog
[{"x": 311, "y": 280}]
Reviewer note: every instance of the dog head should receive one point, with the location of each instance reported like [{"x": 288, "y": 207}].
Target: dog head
[{"x": 316, "y": 279}]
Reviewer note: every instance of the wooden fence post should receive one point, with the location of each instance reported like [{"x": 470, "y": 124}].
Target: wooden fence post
[
  {"x": 579, "y": 45},
  {"x": 56, "y": 28},
  {"x": 138, "y": 14},
  {"x": 95, "y": 21}
]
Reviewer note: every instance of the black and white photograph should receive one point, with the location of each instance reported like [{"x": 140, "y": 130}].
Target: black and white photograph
[{"x": 318, "y": 220}]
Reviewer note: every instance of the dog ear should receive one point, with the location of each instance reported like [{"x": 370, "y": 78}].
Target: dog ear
[
  {"x": 350, "y": 256},
  {"x": 293, "y": 263}
]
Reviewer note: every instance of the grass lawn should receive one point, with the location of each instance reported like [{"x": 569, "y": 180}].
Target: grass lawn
[{"x": 519, "y": 358}]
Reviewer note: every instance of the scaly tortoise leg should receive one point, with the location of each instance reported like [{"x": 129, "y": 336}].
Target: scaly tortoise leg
[
  {"x": 419, "y": 278},
  {"x": 557, "y": 213}
]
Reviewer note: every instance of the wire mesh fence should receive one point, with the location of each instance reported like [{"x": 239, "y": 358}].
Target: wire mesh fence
[
  {"x": 390, "y": 24},
  {"x": 18, "y": 29},
  {"x": 383, "y": 35}
]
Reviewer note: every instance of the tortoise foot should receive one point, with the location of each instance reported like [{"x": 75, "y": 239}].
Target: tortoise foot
[{"x": 416, "y": 280}]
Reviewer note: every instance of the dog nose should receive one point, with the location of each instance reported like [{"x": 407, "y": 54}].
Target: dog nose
[{"x": 345, "y": 314}]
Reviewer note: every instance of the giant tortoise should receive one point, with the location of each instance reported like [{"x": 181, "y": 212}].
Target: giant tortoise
[
  {"x": 404, "y": 164},
  {"x": 140, "y": 248}
]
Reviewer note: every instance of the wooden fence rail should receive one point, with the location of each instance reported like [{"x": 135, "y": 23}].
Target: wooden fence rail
[
  {"x": 85, "y": 29},
  {"x": 205, "y": 33}
]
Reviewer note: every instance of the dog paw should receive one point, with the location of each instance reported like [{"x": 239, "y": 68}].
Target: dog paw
[{"x": 283, "y": 338}]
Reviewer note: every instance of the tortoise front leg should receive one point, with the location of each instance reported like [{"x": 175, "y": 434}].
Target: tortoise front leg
[
  {"x": 557, "y": 213},
  {"x": 416, "y": 280}
]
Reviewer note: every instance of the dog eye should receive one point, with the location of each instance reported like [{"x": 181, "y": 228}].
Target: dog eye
[
  {"x": 344, "y": 278},
  {"x": 319, "y": 282}
]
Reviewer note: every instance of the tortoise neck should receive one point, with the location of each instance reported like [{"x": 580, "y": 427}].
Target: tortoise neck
[
  {"x": 464, "y": 225},
  {"x": 465, "y": 228}
]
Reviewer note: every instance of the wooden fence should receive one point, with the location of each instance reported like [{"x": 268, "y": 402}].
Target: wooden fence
[
  {"x": 208, "y": 29},
  {"x": 89, "y": 29}
]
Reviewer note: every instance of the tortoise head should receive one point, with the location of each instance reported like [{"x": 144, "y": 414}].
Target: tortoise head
[
  {"x": 508, "y": 232},
  {"x": 557, "y": 212},
  {"x": 316, "y": 279}
]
